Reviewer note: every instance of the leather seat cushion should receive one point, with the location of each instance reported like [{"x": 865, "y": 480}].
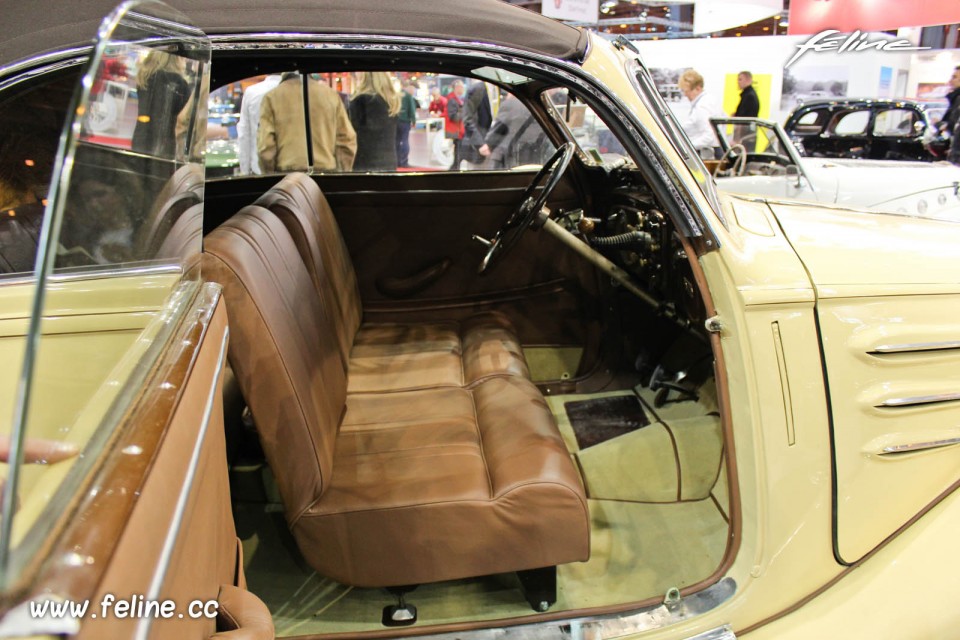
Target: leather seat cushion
[
  {"x": 464, "y": 481},
  {"x": 396, "y": 357},
  {"x": 387, "y": 357}
]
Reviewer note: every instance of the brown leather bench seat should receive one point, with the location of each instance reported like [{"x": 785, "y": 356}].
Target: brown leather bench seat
[
  {"x": 402, "y": 481},
  {"x": 394, "y": 356}
]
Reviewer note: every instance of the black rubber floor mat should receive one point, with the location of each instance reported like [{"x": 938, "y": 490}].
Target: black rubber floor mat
[{"x": 601, "y": 419}]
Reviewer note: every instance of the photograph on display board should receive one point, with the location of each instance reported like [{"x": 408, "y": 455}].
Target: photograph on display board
[{"x": 802, "y": 84}]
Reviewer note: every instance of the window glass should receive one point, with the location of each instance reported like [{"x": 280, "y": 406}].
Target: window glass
[
  {"x": 30, "y": 126},
  {"x": 370, "y": 121},
  {"x": 808, "y": 118},
  {"x": 590, "y": 133},
  {"x": 117, "y": 263},
  {"x": 895, "y": 122},
  {"x": 851, "y": 123}
]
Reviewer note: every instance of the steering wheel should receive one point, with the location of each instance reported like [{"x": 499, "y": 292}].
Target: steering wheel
[
  {"x": 739, "y": 165},
  {"x": 526, "y": 213}
]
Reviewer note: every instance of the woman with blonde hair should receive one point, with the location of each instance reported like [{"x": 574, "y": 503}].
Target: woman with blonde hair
[
  {"x": 162, "y": 93},
  {"x": 373, "y": 113}
]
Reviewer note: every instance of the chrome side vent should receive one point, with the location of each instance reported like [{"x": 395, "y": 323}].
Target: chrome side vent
[
  {"x": 898, "y": 449},
  {"x": 915, "y": 347},
  {"x": 914, "y": 401}
]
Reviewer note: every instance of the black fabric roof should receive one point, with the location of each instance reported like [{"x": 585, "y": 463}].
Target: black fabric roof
[{"x": 32, "y": 27}]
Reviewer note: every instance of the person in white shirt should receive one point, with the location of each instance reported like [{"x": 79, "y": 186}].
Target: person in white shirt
[
  {"x": 248, "y": 123},
  {"x": 696, "y": 123}
]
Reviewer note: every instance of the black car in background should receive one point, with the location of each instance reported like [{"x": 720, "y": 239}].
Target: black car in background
[{"x": 875, "y": 129}]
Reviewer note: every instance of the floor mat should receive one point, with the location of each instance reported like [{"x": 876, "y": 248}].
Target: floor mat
[
  {"x": 637, "y": 551},
  {"x": 600, "y": 419}
]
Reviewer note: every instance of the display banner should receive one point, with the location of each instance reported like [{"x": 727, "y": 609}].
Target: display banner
[
  {"x": 573, "y": 10},
  {"x": 814, "y": 16},
  {"x": 719, "y": 15}
]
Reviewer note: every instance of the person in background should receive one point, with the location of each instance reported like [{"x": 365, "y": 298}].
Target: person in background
[
  {"x": 749, "y": 105},
  {"x": 477, "y": 117},
  {"x": 406, "y": 120},
  {"x": 373, "y": 113},
  {"x": 950, "y": 123},
  {"x": 249, "y": 122},
  {"x": 514, "y": 139},
  {"x": 453, "y": 121},
  {"x": 438, "y": 104},
  {"x": 162, "y": 93},
  {"x": 281, "y": 143},
  {"x": 696, "y": 121}
]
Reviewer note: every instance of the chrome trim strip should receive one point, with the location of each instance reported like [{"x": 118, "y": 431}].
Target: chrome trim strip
[
  {"x": 44, "y": 63},
  {"x": 919, "y": 446},
  {"x": 915, "y": 346},
  {"x": 111, "y": 271},
  {"x": 153, "y": 593},
  {"x": 613, "y": 625},
  {"x": 920, "y": 400}
]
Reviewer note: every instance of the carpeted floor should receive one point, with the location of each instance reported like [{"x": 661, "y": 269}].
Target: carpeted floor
[{"x": 640, "y": 546}]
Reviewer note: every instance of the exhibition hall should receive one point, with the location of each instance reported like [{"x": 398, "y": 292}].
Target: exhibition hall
[{"x": 480, "y": 319}]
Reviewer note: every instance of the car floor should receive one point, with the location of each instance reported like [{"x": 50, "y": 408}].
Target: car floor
[{"x": 640, "y": 547}]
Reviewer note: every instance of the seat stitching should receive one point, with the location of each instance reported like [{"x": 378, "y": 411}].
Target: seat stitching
[
  {"x": 580, "y": 500},
  {"x": 483, "y": 453}
]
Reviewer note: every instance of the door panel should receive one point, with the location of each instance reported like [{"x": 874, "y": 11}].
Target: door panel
[
  {"x": 399, "y": 226},
  {"x": 179, "y": 543}
]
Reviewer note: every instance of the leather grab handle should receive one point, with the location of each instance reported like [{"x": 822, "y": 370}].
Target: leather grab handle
[
  {"x": 242, "y": 616},
  {"x": 404, "y": 287}
]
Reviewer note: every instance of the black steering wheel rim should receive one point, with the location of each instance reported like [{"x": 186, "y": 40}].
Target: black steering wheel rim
[{"x": 526, "y": 212}]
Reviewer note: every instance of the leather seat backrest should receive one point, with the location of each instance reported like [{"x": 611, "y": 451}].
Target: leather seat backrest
[
  {"x": 299, "y": 203},
  {"x": 183, "y": 190},
  {"x": 288, "y": 366}
]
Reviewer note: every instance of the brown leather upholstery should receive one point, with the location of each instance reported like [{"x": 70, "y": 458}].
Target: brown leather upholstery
[
  {"x": 400, "y": 487},
  {"x": 388, "y": 357},
  {"x": 242, "y": 616},
  {"x": 182, "y": 191}
]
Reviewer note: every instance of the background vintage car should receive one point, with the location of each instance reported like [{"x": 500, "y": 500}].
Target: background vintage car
[
  {"x": 758, "y": 159},
  {"x": 747, "y": 409},
  {"x": 868, "y": 128}
]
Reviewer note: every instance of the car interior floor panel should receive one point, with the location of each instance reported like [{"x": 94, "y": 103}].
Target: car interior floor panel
[
  {"x": 638, "y": 551},
  {"x": 657, "y": 500}
]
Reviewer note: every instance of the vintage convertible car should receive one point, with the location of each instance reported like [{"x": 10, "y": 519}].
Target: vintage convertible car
[
  {"x": 868, "y": 128},
  {"x": 566, "y": 389},
  {"x": 758, "y": 158}
]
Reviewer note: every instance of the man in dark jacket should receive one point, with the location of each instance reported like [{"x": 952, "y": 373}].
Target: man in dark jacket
[
  {"x": 749, "y": 106},
  {"x": 406, "y": 120},
  {"x": 951, "y": 119},
  {"x": 477, "y": 117}
]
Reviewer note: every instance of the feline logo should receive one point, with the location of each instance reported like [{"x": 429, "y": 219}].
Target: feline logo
[{"x": 833, "y": 40}]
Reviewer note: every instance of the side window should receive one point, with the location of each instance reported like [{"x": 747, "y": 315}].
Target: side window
[
  {"x": 810, "y": 123},
  {"x": 30, "y": 126},
  {"x": 586, "y": 128},
  {"x": 851, "y": 123},
  {"x": 895, "y": 122},
  {"x": 369, "y": 121}
]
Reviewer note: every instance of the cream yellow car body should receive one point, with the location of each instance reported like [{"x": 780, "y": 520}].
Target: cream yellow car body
[{"x": 820, "y": 312}]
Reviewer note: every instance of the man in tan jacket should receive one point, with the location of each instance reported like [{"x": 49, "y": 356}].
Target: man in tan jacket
[{"x": 281, "y": 140}]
